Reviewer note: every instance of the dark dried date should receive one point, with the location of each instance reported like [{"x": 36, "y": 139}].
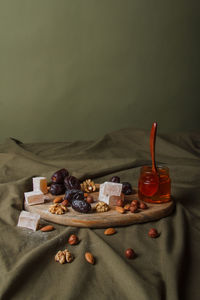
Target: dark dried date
[
  {"x": 72, "y": 183},
  {"x": 58, "y": 176},
  {"x": 115, "y": 179},
  {"x": 57, "y": 189},
  {"x": 81, "y": 206},
  {"x": 127, "y": 188},
  {"x": 74, "y": 194}
]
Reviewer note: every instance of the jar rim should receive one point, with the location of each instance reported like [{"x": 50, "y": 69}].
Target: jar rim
[{"x": 149, "y": 168}]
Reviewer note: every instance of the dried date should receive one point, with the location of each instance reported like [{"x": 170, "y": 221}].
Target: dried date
[
  {"x": 72, "y": 183},
  {"x": 58, "y": 176},
  {"x": 81, "y": 206},
  {"x": 127, "y": 188},
  {"x": 74, "y": 194},
  {"x": 115, "y": 179},
  {"x": 57, "y": 189}
]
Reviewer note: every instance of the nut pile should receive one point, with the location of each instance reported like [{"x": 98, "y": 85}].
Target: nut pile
[
  {"x": 88, "y": 186},
  {"x": 101, "y": 207},
  {"x": 134, "y": 207},
  {"x": 58, "y": 209},
  {"x": 63, "y": 256}
]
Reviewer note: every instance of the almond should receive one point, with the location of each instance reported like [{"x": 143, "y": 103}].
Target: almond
[
  {"x": 47, "y": 228},
  {"x": 58, "y": 199},
  {"x": 127, "y": 206},
  {"x": 109, "y": 231},
  {"x": 89, "y": 257},
  {"x": 120, "y": 209}
]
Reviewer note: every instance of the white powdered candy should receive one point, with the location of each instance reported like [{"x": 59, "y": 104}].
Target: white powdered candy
[
  {"x": 109, "y": 189},
  {"x": 34, "y": 197},
  {"x": 40, "y": 184},
  {"x": 28, "y": 220}
]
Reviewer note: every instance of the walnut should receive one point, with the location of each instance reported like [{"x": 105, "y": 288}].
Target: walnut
[
  {"x": 102, "y": 206},
  {"x": 88, "y": 186},
  {"x": 63, "y": 256},
  {"x": 58, "y": 209}
]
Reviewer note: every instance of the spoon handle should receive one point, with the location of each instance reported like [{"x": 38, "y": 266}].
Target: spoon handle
[{"x": 152, "y": 145}]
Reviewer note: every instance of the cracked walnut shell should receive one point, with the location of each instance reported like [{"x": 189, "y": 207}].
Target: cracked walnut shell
[
  {"x": 58, "y": 209},
  {"x": 101, "y": 206},
  {"x": 88, "y": 186},
  {"x": 63, "y": 256}
]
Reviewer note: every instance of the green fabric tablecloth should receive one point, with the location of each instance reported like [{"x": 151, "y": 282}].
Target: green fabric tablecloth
[{"x": 165, "y": 268}]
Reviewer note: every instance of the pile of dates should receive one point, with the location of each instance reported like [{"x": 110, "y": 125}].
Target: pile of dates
[
  {"x": 126, "y": 186},
  {"x": 62, "y": 183}
]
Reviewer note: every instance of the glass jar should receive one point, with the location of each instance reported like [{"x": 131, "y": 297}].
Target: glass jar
[{"x": 154, "y": 187}]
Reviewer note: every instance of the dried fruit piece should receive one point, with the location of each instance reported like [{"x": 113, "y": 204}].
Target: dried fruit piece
[
  {"x": 129, "y": 253},
  {"x": 73, "y": 239},
  {"x": 72, "y": 183},
  {"x": 57, "y": 189},
  {"x": 57, "y": 209},
  {"x": 153, "y": 233},
  {"x": 109, "y": 231},
  {"x": 58, "y": 199},
  {"x": 89, "y": 257},
  {"x": 115, "y": 179},
  {"x": 127, "y": 188},
  {"x": 120, "y": 210},
  {"x": 102, "y": 207},
  {"x": 81, "y": 206},
  {"x": 47, "y": 228},
  {"x": 74, "y": 194},
  {"x": 58, "y": 176},
  {"x": 88, "y": 186}
]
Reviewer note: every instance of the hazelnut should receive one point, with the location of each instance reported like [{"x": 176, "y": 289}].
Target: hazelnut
[
  {"x": 135, "y": 203},
  {"x": 73, "y": 239},
  {"x": 89, "y": 199},
  {"x": 153, "y": 233},
  {"x": 65, "y": 203},
  {"x": 129, "y": 253},
  {"x": 120, "y": 203},
  {"x": 143, "y": 205},
  {"x": 134, "y": 209}
]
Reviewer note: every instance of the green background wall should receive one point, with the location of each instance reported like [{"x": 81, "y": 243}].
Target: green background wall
[{"x": 78, "y": 69}]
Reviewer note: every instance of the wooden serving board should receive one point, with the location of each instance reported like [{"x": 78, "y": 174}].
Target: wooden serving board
[{"x": 107, "y": 219}]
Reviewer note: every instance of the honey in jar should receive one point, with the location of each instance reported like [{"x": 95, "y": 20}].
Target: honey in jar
[{"x": 154, "y": 187}]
